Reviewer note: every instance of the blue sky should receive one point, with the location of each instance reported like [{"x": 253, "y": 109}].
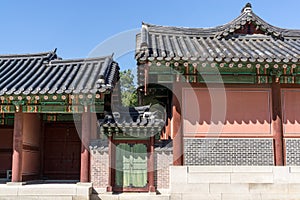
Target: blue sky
[{"x": 77, "y": 27}]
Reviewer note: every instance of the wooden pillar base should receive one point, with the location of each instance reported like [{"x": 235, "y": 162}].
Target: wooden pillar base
[
  {"x": 109, "y": 189},
  {"x": 152, "y": 189},
  {"x": 84, "y": 169}
]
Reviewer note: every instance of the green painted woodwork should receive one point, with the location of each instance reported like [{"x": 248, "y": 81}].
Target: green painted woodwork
[
  {"x": 51, "y": 108},
  {"x": 7, "y": 108},
  {"x": 224, "y": 79},
  {"x": 162, "y": 78},
  {"x": 131, "y": 165},
  {"x": 163, "y": 74},
  {"x": 289, "y": 79},
  {"x": 7, "y": 119},
  {"x": 161, "y": 70},
  {"x": 124, "y": 136},
  {"x": 53, "y": 103},
  {"x": 61, "y": 117},
  {"x": 97, "y": 108},
  {"x": 238, "y": 73},
  {"x": 50, "y": 104},
  {"x": 139, "y": 135}
]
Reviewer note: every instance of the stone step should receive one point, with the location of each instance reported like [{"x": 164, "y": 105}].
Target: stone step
[
  {"x": 37, "y": 197},
  {"x": 15, "y": 191},
  {"x": 130, "y": 196}
]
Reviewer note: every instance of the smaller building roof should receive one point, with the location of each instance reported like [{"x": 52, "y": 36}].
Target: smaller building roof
[
  {"x": 248, "y": 38},
  {"x": 134, "y": 119},
  {"x": 46, "y": 73}
]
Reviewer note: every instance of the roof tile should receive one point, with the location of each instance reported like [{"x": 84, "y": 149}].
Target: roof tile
[
  {"x": 212, "y": 44},
  {"x": 44, "y": 73}
]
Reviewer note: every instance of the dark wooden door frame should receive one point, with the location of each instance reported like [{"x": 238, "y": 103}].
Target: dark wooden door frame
[
  {"x": 6, "y": 150},
  {"x": 43, "y": 156}
]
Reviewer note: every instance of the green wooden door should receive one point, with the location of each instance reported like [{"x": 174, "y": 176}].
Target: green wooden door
[{"x": 131, "y": 165}]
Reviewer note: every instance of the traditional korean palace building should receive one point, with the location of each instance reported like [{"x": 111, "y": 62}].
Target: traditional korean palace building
[
  {"x": 47, "y": 119},
  {"x": 232, "y": 91},
  {"x": 230, "y": 97},
  {"x": 61, "y": 123}
]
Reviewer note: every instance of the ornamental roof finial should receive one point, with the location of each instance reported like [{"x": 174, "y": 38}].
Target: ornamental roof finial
[{"x": 247, "y": 8}]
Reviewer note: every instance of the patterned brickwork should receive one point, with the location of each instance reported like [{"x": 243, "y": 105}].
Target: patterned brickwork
[
  {"x": 163, "y": 160},
  {"x": 204, "y": 151},
  {"x": 99, "y": 164},
  {"x": 292, "y": 152}
]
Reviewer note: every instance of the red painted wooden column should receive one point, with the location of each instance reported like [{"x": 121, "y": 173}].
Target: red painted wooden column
[
  {"x": 176, "y": 126},
  {"x": 111, "y": 166},
  {"x": 17, "y": 146},
  {"x": 277, "y": 123},
  {"x": 85, "y": 140},
  {"x": 151, "y": 165},
  {"x": 167, "y": 132}
]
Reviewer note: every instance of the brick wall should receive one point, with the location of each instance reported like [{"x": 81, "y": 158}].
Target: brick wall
[
  {"x": 234, "y": 182},
  {"x": 99, "y": 163},
  {"x": 163, "y": 160},
  {"x": 208, "y": 151},
  {"x": 292, "y": 151}
]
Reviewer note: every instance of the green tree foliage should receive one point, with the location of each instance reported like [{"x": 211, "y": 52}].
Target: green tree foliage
[{"x": 128, "y": 91}]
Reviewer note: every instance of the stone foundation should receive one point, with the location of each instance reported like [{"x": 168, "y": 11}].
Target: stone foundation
[
  {"x": 234, "y": 182},
  {"x": 18, "y": 191}
]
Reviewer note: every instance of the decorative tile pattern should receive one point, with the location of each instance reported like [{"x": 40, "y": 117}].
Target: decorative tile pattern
[
  {"x": 254, "y": 152},
  {"x": 163, "y": 159},
  {"x": 292, "y": 151},
  {"x": 99, "y": 163}
]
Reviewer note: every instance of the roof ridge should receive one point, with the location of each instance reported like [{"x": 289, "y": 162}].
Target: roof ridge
[
  {"x": 176, "y": 27},
  {"x": 247, "y": 8},
  {"x": 78, "y": 60},
  {"x": 27, "y": 55},
  {"x": 256, "y": 41},
  {"x": 247, "y": 15}
]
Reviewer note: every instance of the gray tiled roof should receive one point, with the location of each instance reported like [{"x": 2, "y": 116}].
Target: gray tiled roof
[
  {"x": 221, "y": 43},
  {"x": 133, "y": 117},
  {"x": 45, "y": 73}
]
